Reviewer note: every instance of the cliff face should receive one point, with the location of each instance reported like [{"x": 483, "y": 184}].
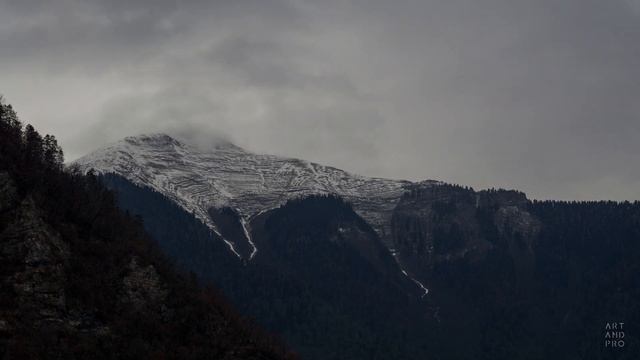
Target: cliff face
[
  {"x": 431, "y": 224},
  {"x": 35, "y": 260},
  {"x": 436, "y": 223}
]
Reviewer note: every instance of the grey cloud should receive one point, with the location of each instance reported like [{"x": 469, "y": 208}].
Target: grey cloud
[{"x": 539, "y": 95}]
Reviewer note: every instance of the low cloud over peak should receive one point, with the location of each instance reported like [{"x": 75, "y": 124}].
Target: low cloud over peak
[{"x": 536, "y": 95}]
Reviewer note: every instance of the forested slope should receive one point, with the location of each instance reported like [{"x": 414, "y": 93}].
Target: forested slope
[{"x": 80, "y": 279}]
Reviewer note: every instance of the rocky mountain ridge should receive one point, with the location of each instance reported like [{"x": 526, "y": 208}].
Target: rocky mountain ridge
[
  {"x": 227, "y": 188},
  {"x": 228, "y": 176}
]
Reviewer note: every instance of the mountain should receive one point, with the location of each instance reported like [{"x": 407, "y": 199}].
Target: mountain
[
  {"x": 80, "y": 279},
  {"x": 225, "y": 175},
  {"x": 304, "y": 263},
  {"x": 336, "y": 262}
]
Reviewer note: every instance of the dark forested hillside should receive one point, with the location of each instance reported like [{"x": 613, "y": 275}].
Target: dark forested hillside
[
  {"x": 508, "y": 278},
  {"x": 321, "y": 278},
  {"x": 80, "y": 279},
  {"x": 588, "y": 271},
  {"x": 516, "y": 279}
]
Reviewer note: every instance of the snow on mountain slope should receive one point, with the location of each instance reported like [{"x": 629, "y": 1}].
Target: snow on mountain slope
[{"x": 227, "y": 175}]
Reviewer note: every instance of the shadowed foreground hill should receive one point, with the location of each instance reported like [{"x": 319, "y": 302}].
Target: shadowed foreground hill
[{"x": 79, "y": 279}]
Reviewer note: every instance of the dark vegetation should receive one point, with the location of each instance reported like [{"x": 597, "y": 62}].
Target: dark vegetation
[
  {"x": 588, "y": 272},
  {"x": 311, "y": 282},
  {"x": 62, "y": 234},
  {"x": 585, "y": 273},
  {"x": 321, "y": 278},
  {"x": 554, "y": 273}
]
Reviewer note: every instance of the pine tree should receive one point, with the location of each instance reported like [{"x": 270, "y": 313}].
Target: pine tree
[
  {"x": 53, "y": 155},
  {"x": 33, "y": 145},
  {"x": 10, "y": 134}
]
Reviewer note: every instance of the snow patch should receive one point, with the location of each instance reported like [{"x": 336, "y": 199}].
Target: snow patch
[
  {"x": 404, "y": 272},
  {"x": 247, "y": 234},
  {"x": 426, "y": 291},
  {"x": 229, "y": 243}
]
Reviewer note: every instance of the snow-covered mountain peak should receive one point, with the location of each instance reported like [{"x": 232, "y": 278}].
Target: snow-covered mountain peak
[{"x": 199, "y": 178}]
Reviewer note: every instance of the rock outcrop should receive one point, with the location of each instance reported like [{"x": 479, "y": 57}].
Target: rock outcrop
[{"x": 439, "y": 223}]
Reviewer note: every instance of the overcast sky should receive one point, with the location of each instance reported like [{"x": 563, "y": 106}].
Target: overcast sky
[{"x": 538, "y": 95}]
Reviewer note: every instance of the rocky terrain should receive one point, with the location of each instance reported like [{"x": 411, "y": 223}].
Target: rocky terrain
[{"x": 441, "y": 223}]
